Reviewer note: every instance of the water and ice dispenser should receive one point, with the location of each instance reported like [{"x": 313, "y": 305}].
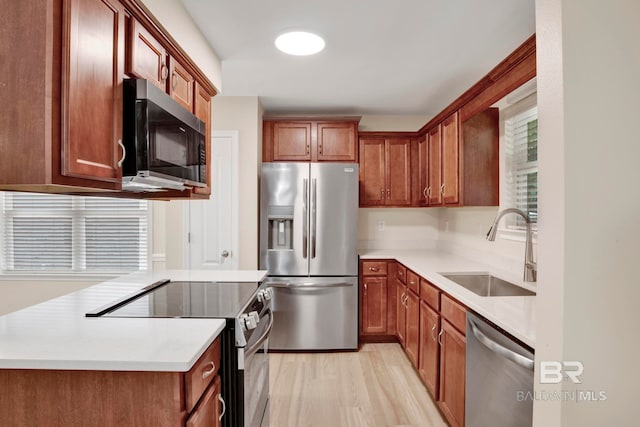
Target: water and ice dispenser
[{"x": 280, "y": 227}]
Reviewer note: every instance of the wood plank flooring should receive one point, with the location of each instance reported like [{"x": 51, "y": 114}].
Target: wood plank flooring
[{"x": 374, "y": 387}]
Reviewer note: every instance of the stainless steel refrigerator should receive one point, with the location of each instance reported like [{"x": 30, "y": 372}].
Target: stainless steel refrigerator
[{"x": 308, "y": 243}]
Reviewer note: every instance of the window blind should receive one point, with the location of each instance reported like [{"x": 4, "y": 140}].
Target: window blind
[
  {"x": 521, "y": 164},
  {"x": 58, "y": 233}
]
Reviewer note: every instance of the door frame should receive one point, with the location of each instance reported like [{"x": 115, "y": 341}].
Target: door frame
[{"x": 233, "y": 263}]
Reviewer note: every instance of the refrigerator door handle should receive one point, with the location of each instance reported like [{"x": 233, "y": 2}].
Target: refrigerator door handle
[
  {"x": 313, "y": 217},
  {"x": 310, "y": 285},
  {"x": 305, "y": 215}
]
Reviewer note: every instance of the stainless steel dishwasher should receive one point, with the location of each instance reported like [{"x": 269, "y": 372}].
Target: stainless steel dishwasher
[{"x": 499, "y": 377}]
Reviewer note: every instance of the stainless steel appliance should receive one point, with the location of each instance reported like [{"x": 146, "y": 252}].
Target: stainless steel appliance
[
  {"x": 499, "y": 378},
  {"x": 163, "y": 143},
  {"x": 308, "y": 243},
  {"x": 245, "y": 340}
]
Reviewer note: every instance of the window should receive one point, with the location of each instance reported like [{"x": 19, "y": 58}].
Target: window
[
  {"x": 70, "y": 234},
  {"x": 520, "y": 142}
]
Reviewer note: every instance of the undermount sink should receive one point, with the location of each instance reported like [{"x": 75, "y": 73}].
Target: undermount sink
[{"x": 486, "y": 285}]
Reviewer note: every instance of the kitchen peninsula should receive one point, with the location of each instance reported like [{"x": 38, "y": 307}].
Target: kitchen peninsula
[{"x": 58, "y": 367}]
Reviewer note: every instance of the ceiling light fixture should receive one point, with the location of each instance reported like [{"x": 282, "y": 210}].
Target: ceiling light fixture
[{"x": 299, "y": 43}]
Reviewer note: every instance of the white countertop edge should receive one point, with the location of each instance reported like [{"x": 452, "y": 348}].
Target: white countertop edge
[{"x": 493, "y": 309}]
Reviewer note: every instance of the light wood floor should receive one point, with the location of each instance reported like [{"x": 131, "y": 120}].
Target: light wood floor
[{"x": 375, "y": 387}]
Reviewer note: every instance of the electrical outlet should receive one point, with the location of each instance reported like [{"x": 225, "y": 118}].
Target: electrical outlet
[{"x": 380, "y": 225}]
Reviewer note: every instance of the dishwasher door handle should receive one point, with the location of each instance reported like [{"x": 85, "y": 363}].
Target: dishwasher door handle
[{"x": 503, "y": 351}]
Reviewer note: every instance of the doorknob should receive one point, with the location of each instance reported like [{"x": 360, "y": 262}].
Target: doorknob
[{"x": 225, "y": 254}]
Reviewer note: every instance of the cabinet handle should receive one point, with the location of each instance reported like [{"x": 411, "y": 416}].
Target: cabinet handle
[
  {"x": 440, "y": 336},
  {"x": 388, "y": 193},
  {"x": 428, "y": 192},
  {"x": 374, "y": 269},
  {"x": 433, "y": 332},
  {"x": 207, "y": 374},
  {"x": 320, "y": 148},
  {"x": 400, "y": 273},
  {"x": 424, "y": 192},
  {"x": 307, "y": 149},
  {"x": 164, "y": 72},
  {"x": 173, "y": 81},
  {"x": 124, "y": 153},
  {"x": 365, "y": 288},
  {"x": 224, "y": 407},
  {"x": 382, "y": 193},
  {"x": 411, "y": 282},
  {"x": 442, "y": 189}
]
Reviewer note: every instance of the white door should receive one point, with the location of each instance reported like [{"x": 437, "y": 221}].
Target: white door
[{"x": 212, "y": 225}]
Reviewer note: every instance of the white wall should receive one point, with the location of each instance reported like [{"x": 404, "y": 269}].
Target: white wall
[
  {"x": 404, "y": 228},
  {"x": 18, "y": 294},
  {"x": 244, "y": 114},
  {"x": 588, "y": 68},
  {"x": 175, "y": 19},
  {"x": 390, "y": 123}
]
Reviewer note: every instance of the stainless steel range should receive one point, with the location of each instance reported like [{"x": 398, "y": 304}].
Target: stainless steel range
[{"x": 245, "y": 340}]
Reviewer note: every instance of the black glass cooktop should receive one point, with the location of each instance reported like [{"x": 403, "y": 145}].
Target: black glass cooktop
[{"x": 188, "y": 299}]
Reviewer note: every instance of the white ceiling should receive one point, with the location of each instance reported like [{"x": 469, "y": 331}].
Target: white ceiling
[{"x": 382, "y": 57}]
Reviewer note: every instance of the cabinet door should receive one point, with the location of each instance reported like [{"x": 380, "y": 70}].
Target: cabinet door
[
  {"x": 337, "y": 141},
  {"x": 398, "y": 172},
  {"x": 401, "y": 312},
  {"x": 419, "y": 172},
  {"x": 92, "y": 74},
  {"x": 429, "y": 353},
  {"x": 181, "y": 84},
  {"x": 374, "y": 305},
  {"x": 434, "y": 154},
  {"x": 452, "y": 374},
  {"x": 292, "y": 141},
  {"x": 202, "y": 109},
  {"x": 450, "y": 161},
  {"x": 372, "y": 172},
  {"x": 147, "y": 58},
  {"x": 209, "y": 409},
  {"x": 412, "y": 338}
]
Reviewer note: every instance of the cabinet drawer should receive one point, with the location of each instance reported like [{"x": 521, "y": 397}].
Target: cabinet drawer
[
  {"x": 430, "y": 294},
  {"x": 374, "y": 268},
  {"x": 201, "y": 374},
  {"x": 413, "y": 282},
  {"x": 454, "y": 312},
  {"x": 207, "y": 413},
  {"x": 402, "y": 273}
]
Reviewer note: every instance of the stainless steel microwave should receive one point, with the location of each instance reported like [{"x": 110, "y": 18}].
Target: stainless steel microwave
[{"x": 164, "y": 144}]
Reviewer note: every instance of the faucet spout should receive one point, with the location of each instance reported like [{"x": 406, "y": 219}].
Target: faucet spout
[{"x": 530, "y": 266}]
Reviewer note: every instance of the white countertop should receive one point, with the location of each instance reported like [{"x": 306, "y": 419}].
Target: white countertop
[
  {"x": 516, "y": 315},
  {"x": 56, "y": 334}
]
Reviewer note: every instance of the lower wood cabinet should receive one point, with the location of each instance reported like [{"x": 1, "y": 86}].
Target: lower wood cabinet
[
  {"x": 401, "y": 313},
  {"x": 429, "y": 360},
  {"x": 75, "y": 398},
  {"x": 412, "y": 339},
  {"x": 452, "y": 374},
  {"x": 374, "y": 306}
]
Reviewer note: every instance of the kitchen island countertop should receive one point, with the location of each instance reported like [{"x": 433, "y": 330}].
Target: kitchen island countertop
[
  {"x": 56, "y": 334},
  {"x": 514, "y": 314}
]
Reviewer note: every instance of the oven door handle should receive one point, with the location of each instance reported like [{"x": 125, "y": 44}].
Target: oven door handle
[{"x": 262, "y": 339}]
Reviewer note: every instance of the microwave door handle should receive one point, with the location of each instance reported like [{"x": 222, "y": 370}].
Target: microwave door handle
[{"x": 305, "y": 215}]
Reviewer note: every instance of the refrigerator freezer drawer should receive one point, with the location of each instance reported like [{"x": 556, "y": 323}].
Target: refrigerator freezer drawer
[{"x": 314, "y": 313}]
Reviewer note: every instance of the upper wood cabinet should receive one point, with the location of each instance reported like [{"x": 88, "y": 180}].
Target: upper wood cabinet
[
  {"x": 65, "y": 139},
  {"x": 450, "y": 165},
  {"x": 434, "y": 176},
  {"x": 385, "y": 172},
  {"x": 147, "y": 58},
  {"x": 419, "y": 171},
  {"x": 202, "y": 110},
  {"x": 310, "y": 140},
  {"x": 92, "y": 70}
]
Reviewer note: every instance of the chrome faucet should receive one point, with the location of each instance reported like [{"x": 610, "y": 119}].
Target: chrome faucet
[{"x": 530, "y": 266}]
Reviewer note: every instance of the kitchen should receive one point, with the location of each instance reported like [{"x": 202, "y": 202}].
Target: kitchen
[{"x": 577, "y": 277}]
